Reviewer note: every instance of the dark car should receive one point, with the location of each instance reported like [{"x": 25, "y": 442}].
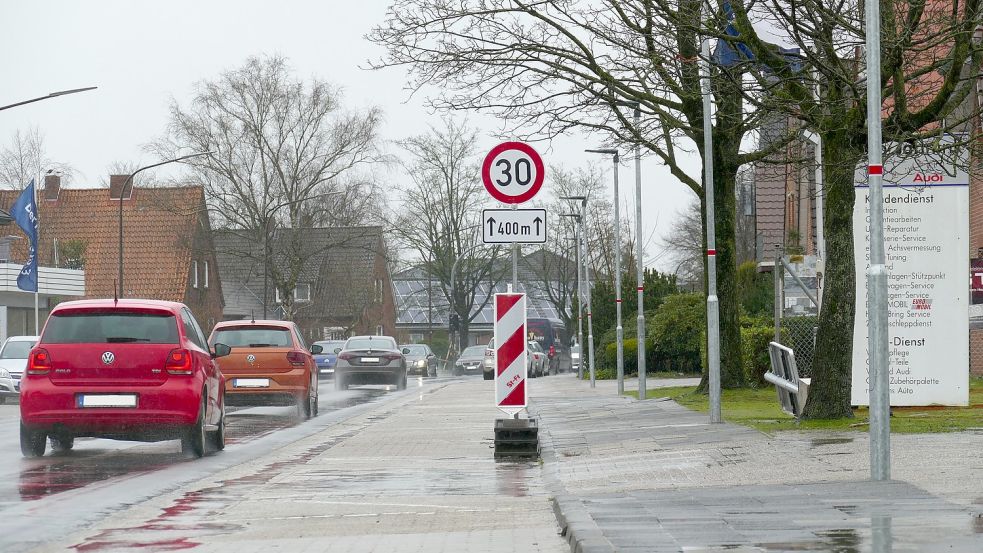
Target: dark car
[
  {"x": 128, "y": 369},
  {"x": 420, "y": 359},
  {"x": 370, "y": 360},
  {"x": 327, "y": 359},
  {"x": 552, "y": 337},
  {"x": 470, "y": 361}
]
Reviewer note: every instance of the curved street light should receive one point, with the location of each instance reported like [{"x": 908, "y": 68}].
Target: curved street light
[
  {"x": 52, "y": 95},
  {"x": 122, "y": 189}
]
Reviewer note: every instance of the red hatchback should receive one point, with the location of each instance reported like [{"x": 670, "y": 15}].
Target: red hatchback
[{"x": 128, "y": 369}]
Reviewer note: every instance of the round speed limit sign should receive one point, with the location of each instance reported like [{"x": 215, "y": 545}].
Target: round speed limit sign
[{"x": 513, "y": 172}]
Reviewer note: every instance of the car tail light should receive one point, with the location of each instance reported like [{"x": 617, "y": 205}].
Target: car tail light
[
  {"x": 40, "y": 362},
  {"x": 179, "y": 362},
  {"x": 393, "y": 356},
  {"x": 552, "y": 350},
  {"x": 296, "y": 358},
  {"x": 346, "y": 356}
]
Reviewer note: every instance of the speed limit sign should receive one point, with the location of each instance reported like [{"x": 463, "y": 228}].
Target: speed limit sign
[{"x": 513, "y": 172}]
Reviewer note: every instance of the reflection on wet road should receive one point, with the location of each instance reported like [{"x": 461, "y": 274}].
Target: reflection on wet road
[{"x": 95, "y": 460}]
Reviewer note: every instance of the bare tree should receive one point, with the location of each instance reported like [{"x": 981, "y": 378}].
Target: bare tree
[
  {"x": 24, "y": 158},
  {"x": 929, "y": 69},
  {"x": 440, "y": 218},
  {"x": 285, "y": 155},
  {"x": 146, "y": 178}
]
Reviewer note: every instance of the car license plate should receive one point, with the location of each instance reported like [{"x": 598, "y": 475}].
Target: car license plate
[
  {"x": 251, "y": 383},
  {"x": 107, "y": 400},
  {"x": 370, "y": 360}
]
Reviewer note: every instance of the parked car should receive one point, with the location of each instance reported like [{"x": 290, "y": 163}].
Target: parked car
[
  {"x": 488, "y": 364},
  {"x": 370, "y": 360},
  {"x": 13, "y": 361},
  {"x": 127, "y": 369},
  {"x": 420, "y": 359},
  {"x": 552, "y": 337},
  {"x": 537, "y": 363},
  {"x": 269, "y": 364},
  {"x": 471, "y": 361},
  {"x": 327, "y": 359},
  {"x": 575, "y": 357}
]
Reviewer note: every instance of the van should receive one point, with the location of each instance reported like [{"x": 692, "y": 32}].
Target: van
[{"x": 553, "y": 338}]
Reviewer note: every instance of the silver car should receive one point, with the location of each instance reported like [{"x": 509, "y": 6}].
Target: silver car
[
  {"x": 13, "y": 361},
  {"x": 470, "y": 361},
  {"x": 370, "y": 360}
]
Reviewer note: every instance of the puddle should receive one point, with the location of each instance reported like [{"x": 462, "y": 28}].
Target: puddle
[
  {"x": 832, "y": 541},
  {"x": 819, "y": 442}
]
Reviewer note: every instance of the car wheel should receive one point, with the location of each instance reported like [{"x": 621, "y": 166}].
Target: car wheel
[
  {"x": 401, "y": 383},
  {"x": 3, "y": 400},
  {"x": 194, "y": 439},
  {"x": 308, "y": 403},
  {"x": 218, "y": 437},
  {"x": 32, "y": 442},
  {"x": 340, "y": 382},
  {"x": 487, "y": 376},
  {"x": 61, "y": 443}
]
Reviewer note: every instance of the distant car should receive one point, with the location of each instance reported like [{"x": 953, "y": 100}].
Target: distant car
[
  {"x": 552, "y": 337},
  {"x": 269, "y": 364},
  {"x": 420, "y": 359},
  {"x": 327, "y": 359},
  {"x": 488, "y": 364},
  {"x": 127, "y": 369},
  {"x": 13, "y": 361},
  {"x": 471, "y": 361},
  {"x": 575, "y": 357},
  {"x": 537, "y": 361},
  {"x": 370, "y": 360}
]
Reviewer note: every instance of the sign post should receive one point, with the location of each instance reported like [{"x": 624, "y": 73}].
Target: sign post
[{"x": 510, "y": 353}]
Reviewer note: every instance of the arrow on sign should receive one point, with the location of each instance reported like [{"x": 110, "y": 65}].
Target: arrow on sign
[
  {"x": 491, "y": 226},
  {"x": 538, "y": 222}
]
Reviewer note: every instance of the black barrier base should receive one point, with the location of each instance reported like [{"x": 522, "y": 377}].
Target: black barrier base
[{"x": 516, "y": 439}]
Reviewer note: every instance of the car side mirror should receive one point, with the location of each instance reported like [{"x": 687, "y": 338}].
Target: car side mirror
[
  {"x": 431, "y": 355},
  {"x": 337, "y": 350},
  {"x": 316, "y": 349},
  {"x": 406, "y": 351},
  {"x": 220, "y": 350}
]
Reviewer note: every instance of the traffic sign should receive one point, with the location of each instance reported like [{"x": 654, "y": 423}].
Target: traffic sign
[
  {"x": 504, "y": 226},
  {"x": 513, "y": 172},
  {"x": 510, "y": 352}
]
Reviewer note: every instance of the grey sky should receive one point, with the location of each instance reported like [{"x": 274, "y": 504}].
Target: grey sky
[{"x": 141, "y": 54}]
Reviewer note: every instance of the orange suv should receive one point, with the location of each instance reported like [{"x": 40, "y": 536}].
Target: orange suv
[{"x": 269, "y": 364}]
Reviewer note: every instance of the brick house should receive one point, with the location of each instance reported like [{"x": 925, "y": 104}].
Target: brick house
[
  {"x": 343, "y": 288},
  {"x": 167, "y": 244}
]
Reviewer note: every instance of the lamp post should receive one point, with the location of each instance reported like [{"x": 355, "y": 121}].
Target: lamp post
[
  {"x": 129, "y": 180},
  {"x": 52, "y": 95},
  {"x": 581, "y": 262},
  {"x": 590, "y": 326},
  {"x": 619, "y": 330}
]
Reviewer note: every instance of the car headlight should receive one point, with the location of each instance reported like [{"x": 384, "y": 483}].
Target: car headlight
[
  {"x": 421, "y": 363},
  {"x": 4, "y": 373}
]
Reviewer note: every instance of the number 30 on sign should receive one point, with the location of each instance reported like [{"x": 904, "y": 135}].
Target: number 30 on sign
[{"x": 513, "y": 172}]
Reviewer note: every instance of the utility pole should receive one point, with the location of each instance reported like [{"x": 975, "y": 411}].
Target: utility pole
[{"x": 713, "y": 305}]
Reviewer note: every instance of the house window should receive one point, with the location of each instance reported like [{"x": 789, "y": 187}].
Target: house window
[
  {"x": 206, "y": 274},
  {"x": 380, "y": 331},
  {"x": 416, "y": 338},
  {"x": 301, "y": 293},
  {"x": 378, "y": 290},
  {"x": 194, "y": 274}
]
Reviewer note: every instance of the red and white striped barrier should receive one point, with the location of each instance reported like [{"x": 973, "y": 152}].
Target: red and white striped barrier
[{"x": 510, "y": 352}]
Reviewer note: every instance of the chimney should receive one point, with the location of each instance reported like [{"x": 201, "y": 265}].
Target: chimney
[
  {"x": 52, "y": 185},
  {"x": 116, "y": 184}
]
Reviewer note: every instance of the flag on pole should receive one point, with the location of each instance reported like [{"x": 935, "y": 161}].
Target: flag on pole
[
  {"x": 727, "y": 55},
  {"x": 25, "y": 214}
]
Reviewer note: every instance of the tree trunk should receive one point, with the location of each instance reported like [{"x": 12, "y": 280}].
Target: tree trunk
[{"x": 829, "y": 395}]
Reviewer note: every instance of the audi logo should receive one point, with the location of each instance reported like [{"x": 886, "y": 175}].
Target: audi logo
[{"x": 108, "y": 358}]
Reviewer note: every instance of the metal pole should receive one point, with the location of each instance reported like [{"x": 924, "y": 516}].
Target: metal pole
[
  {"x": 580, "y": 303},
  {"x": 37, "y": 268},
  {"x": 713, "y": 307},
  {"x": 52, "y": 95},
  {"x": 619, "y": 330},
  {"x": 779, "y": 284},
  {"x": 880, "y": 399},
  {"x": 590, "y": 328},
  {"x": 640, "y": 260},
  {"x": 515, "y": 262}
]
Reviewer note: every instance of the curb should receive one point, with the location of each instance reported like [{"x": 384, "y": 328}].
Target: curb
[{"x": 577, "y": 527}]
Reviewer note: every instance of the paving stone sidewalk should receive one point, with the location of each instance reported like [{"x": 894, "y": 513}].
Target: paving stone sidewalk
[{"x": 654, "y": 476}]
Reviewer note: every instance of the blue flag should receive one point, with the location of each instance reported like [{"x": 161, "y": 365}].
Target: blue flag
[
  {"x": 25, "y": 214},
  {"x": 727, "y": 56}
]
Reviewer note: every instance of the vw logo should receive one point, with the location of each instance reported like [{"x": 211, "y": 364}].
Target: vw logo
[
  {"x": 108, "y": 358},
  {"x": 251, "y": 358}
]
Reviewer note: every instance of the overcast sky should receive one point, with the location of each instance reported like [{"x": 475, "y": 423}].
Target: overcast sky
[{"x": 143, "y": 54}]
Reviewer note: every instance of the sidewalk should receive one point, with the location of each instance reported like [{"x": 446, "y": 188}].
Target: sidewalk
[{"x": 654, "y": 476}]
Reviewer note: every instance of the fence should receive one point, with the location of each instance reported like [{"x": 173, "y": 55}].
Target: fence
[{"x": 797, "y": 312}]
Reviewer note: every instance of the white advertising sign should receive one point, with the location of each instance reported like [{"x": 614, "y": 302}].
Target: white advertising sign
[{"x": 926, "y": 233}]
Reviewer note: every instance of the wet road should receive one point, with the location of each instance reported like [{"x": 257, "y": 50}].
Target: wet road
[{"x": 101, "y": 476}]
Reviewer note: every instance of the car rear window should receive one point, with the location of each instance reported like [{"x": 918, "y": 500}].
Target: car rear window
[
  {"x": 417, "y": 350},
  {"x": 330, "y": 346},
  {"x": 16, "y": 350},
  {"x": 253, "y": 337},
  {"x": 110, "y": 328},
  {"x": 369, "y": 343}
]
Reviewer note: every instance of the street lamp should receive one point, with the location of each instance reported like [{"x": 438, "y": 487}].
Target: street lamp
[
  {"x": 590, "y": 318},
  {"x": 580, "y": 287},
  {"x": 52, "y": 95},
  {"x": 619, "y": 330},
  {"x": 128, "y": 180}
]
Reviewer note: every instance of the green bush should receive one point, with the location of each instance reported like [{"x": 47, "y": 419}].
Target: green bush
[
  {"x": 678, "y": 330},
  {"x": 755, "y": 291},
  {"x": 754, "y": 352},
  {"x": 611, "y": 356}
]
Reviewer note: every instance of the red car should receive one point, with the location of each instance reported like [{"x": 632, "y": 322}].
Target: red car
[{"x": 128, "y": 369}]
